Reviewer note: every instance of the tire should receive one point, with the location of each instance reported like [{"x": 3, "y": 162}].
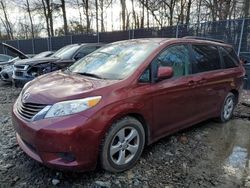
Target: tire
[
  {"x": 227, "y": 108},
  {"x": 122, "y": 145}
]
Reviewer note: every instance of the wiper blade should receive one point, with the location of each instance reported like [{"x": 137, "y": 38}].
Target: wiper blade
[{"x": 89, "y": 74}]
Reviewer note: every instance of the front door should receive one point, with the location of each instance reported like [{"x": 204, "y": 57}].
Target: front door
[{"x": 173, "y": 99}]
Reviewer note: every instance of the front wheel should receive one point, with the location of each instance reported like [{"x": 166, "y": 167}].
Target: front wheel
[
  {"x": 228, "y": 108},
  {"x": 122, "y": 145}
]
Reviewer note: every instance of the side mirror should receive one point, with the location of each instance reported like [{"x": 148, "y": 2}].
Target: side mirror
[{"x": 165, "y": 72}]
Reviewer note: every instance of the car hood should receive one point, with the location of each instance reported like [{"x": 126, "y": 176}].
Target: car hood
[
  {"x": 59, "y": 86},
  {"x": 35, "y": 61},
  {"x": 17, "y": 52}
]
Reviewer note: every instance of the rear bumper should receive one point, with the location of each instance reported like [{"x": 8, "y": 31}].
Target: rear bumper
[{"x": 46, "y": 140}]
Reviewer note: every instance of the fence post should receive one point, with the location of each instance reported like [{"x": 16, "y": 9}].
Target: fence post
[
  {"x": 48, "y": 43},
  {"x": 177, "y": 31},
  {"x": 51, "y": 47},
  {"x": 18, "y": 45},
  {"x": 97, "y": 35},
  {"x": 241, "y": 35},
  {"x": 33, "y": 46},
  {"x": 71, "y": 39}
]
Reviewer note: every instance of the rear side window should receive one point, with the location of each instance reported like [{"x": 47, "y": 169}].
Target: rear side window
[
  {"x": 206, "y": 57},
  {"x": 229, "y": 57}
]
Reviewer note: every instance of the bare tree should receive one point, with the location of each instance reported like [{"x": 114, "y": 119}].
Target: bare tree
[
  {"x": 65, "y": 24},
  {"x": 6, "y": 22},
  {"x": 86, "y": 7},
  {"x": 246, "y": 8},
  {"x": 123, "y": 6}
]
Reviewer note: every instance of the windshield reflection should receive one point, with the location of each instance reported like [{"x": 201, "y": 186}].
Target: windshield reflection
[{"x": 115, "y": 61}]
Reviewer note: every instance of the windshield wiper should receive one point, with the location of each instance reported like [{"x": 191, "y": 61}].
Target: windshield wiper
[{"x": 89, "y": 74}]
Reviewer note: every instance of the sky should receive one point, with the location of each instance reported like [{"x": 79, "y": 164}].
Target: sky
[{"x": 111, "y": 16}]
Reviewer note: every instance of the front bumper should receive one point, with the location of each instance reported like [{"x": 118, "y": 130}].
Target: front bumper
[{"x": 46, "y": 140}]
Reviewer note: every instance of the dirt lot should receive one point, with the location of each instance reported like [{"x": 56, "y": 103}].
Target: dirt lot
[{"x": 208, "y": 155}]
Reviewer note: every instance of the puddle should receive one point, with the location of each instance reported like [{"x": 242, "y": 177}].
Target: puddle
[
  {"x": 237, "y": 162},
  {"x": 231, "y": 145}
]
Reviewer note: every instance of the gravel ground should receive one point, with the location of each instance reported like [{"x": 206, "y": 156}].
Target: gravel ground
[{"x": 207, "y": 155}]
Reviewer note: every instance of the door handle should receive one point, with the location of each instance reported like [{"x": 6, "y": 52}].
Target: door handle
[
  {"x": 202, "y": 81},
  {"x": 191, "y": 83}
]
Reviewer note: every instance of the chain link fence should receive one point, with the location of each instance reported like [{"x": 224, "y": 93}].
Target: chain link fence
[{"x": 234, "y": 32}]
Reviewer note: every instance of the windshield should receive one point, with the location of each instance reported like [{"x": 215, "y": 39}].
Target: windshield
[
  {"x": 66, "y": 52},
  {"x": 115, "y": 61}
]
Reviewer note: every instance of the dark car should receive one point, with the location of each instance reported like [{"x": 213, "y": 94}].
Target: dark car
[
  {"x": 8, "y": 68},
  {"x": 108, "y": 106},
  {"x": 26, "y": 70}
]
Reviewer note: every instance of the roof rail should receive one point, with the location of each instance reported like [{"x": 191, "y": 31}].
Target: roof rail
[{"x": 203, "y": 38}]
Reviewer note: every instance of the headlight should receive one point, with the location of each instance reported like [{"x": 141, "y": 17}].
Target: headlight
[
  {"x": 8, "y": 67},
  {"x": 71, "y": 107}
]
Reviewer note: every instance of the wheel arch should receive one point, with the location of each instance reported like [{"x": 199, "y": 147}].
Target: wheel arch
[
  {"x": 135, "y": 115},
  {"x": 236, "y": 94}
]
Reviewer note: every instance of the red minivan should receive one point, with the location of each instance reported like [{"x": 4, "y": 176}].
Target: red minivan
[{"x": 109, "y": 105}]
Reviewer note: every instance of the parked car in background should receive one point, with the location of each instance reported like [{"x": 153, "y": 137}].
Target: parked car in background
[
  {"x": 7, "y": 69},
  {"x": 7, "y": 65},
  {"x": 16, "y": 53},
  {"x": 5, "y": 58},
  {"x": 27, "y": 70},
  {"x": 107, "y": 106}
]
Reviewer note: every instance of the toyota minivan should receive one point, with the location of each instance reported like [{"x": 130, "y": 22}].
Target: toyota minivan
[{"x": 109, "y": 105}]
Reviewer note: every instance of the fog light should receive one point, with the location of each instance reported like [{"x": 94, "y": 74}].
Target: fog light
[{"x": 68, "y": 157}]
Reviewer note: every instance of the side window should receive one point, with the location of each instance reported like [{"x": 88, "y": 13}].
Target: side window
[
  {"x": 84, "y": 51},
  {"x": 176, "y": 57},
  {"x": 145, "y": 77},
  {"x": 206, "y": 57},
  {"x": 229, "y": 57}
]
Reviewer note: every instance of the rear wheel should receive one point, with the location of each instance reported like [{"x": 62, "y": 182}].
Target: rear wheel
[
  {"x": 228, "y": 108},
  {"x": 122, "y": 145}
]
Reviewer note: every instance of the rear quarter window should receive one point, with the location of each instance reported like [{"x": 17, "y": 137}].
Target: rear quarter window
[
  {"x": 229, "y": 57},
  {"x": 206, "y": 58}
]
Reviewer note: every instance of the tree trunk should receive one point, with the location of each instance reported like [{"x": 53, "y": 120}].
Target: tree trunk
[
  {"x": 188, "y": 11},
  {"x": 31, "y": 21},
  {"x": 50, "y": 16},
  {"x": 147, "y": 14},
  {"x": 86, "y": 3},
  {"x": 134, "y": 15},
  {"x": 142, "y": 18},
  {"x": 123, "y": 5},
  {"x": 246, "y": 8},
  {"x": 96, "y": 15},
  {"x": 102, "y": 16},
  {"x": 7, "y": 22},
  {"x": 46, "y": 18},
  {"x": 65, "y": 24}
]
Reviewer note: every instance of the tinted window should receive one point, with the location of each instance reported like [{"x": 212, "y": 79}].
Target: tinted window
[
  {"x": 229, "y": 57},
  {"x": 176, "y": 57},
  {"x": 66, "y": 52},
  {"x": 145, "y": 77},
  {"x": 207, "y": 58}
]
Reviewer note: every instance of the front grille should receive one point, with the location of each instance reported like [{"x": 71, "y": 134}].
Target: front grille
[
  {"x": 20, "y": 66},
  {"x": 17, "y": 73},
  {"x": 29, "y": 110}
]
